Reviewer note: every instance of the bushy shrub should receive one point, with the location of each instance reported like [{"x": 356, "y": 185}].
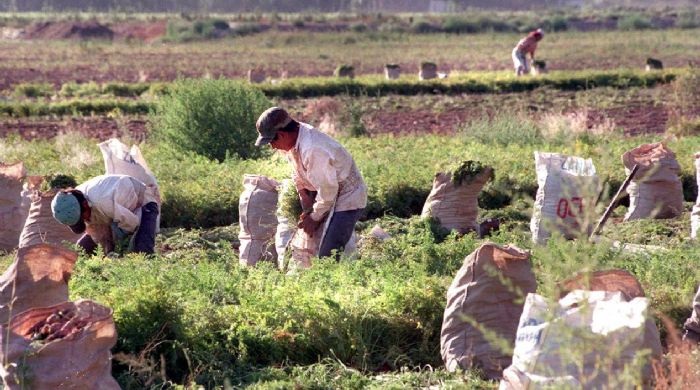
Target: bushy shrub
[
  {"x": 358, "y": 27},
  {"x": 73, "y": 89},
  {"x": 421, "y": 26},
  {"x": 634, "y": 22},
  {"x": 557, "y": 23},
  {"x": 688, "y": 19},
  {"x": 185, "y": 31},
  {"x": 459, "y": 25},
  {"x": 33, "y": 90},
  {"x": 214, "y": 118}
]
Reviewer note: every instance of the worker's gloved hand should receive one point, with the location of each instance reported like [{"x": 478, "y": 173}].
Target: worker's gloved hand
[
  {"x": 308, "y": 224},
  {"x": 118, "y": 233}
]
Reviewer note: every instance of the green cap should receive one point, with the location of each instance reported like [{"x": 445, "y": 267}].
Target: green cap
[
  {"x": 66, "y": 210},
  {"x": 269, "y": 122}
]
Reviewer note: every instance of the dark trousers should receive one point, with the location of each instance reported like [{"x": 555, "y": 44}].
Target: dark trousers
[
  {"x": 339, "y": 232},
  {"x": 145, "y": 237}
]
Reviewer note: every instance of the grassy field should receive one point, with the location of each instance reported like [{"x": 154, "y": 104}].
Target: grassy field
[
  {"x": 191, "y": 316},
  {"x": 318, "y": 54}
]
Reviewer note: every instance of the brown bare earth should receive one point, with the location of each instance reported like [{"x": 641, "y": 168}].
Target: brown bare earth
[
  {"x": 633, "y": 119},
  {"x": 101, "y": 128}
]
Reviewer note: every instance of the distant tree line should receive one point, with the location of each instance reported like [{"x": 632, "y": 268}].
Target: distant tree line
[{"x": 205, "y": 6}]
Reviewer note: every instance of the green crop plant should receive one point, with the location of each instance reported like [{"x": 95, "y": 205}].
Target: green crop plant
[
  {"x": 289, "y": 204},
  {"x": 213, "y": 321},
  {"x": 34, "y": 90},
  {"x": 466, "y": 171}
]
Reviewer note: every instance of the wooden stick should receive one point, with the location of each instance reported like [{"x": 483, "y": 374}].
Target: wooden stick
[{"x": 613, "y": 202}]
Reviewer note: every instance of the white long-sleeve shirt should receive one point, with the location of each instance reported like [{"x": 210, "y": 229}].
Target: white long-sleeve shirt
[
  {"x": 321, "y": 164},
  {"x": 114, "y": 198}
]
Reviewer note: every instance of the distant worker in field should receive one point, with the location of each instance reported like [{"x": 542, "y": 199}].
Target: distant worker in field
[
  {"x": 118, "y": 203},
  {"x": 526, "y": 46},
  {"x": 324, "y": 173}
]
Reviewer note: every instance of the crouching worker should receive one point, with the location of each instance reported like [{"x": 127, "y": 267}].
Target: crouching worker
[
  {"x": 325, "y": 176},
  {"x": 118, "y": 203}
]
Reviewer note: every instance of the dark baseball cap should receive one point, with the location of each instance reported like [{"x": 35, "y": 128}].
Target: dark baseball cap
[{"x": 271, "y": 120}]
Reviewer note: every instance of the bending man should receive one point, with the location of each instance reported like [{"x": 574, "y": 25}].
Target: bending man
[
  {"x": 324, "y": 173},
  {"x": 117, "y": 202},
  {"x": 526, "y": 46}
]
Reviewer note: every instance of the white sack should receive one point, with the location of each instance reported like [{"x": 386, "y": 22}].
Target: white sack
[
  {"x": 584, "y": 341},
  {"x": 656, "y": 190},
  {"x": 120, "y": 160},
  {"x": 257, "y": 219},
  {"x": 566, "y": 193}
]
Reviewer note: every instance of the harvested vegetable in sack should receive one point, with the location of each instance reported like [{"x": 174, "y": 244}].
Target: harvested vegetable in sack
[
  {"x": 656, "y": 190},
  {"x": 66, "y": 346},
  {"x": 454, "y": 199}
]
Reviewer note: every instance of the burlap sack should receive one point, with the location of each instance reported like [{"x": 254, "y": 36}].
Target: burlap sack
[
  {"x": 80, "y": 360},
  {"x": 13, "y": 211},
  {"x": 566, "y": 194},
  {"x": 486, "y": 294},
  {"x": 456, "y": 206},
  {"x": 428, "y": 71},
  {"x": 257, "y": 219},
  {"x": 695, "y": 214},
  {"x": 42, "y": 227},
  {"x": 656, "y": 190},
  {"x": 610, "y": 280},
  {"x": 38, "y": 277},
  {"x": 119, "y": 159}
]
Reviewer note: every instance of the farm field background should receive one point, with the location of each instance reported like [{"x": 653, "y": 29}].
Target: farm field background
[{"x": 191, "y": 316}]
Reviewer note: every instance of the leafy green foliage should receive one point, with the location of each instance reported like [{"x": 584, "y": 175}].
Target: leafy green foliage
[
  {"x": 61, "y": 181},
  {"x": 199, "y": 192},
  {"x": 289, "y": 205},
  {"x": 634, "y": 22},
  {"x": 214, "y": 118},
  {"x": 337, "y": 323},
  {"x": 74, "y": 107},
  {"x": 466, "y": 171},
  {"x": 473, "y": 82},
  {"x": 33, "y": 90},
  {"x": 186, "y": 31}
]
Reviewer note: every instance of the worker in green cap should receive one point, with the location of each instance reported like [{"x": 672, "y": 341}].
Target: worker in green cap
[{"x": 120, "y": 202}]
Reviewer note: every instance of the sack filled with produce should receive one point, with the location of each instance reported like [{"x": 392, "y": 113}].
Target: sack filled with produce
[
  {"x": 484, "y": 303},
  {"x": 566, "y": 194},
  {"x": 454, "y": 199},
  {"x": 656, "y": 190},
  {"x": 14, "y": 205},
  {"x": 40, "y": 226},
  {"x": 257, "y": 219},
  {"x": 38, "y": 277},
  {"x": 64, "y": 346}
]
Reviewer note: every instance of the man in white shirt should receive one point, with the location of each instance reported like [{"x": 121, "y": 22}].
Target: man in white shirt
[
  {"x": 119, "y": 201},
  {"x": 324, "y": 173}
]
